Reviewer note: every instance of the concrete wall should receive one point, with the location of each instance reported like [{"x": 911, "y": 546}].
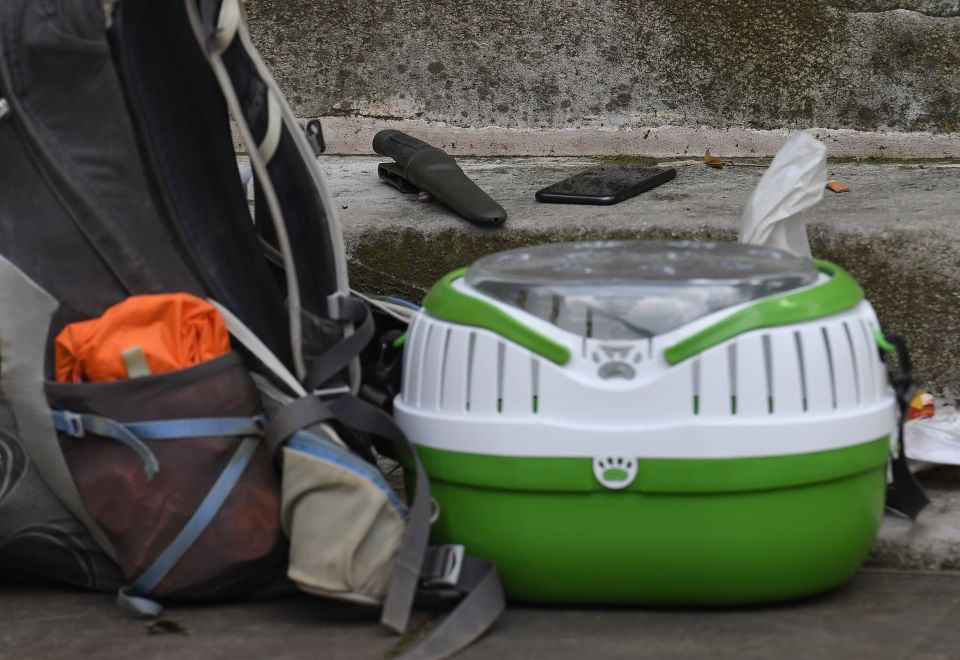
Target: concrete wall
[{"x": 721, "y": 66}]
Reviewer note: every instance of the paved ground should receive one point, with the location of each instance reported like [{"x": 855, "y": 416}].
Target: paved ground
[{"x": 878, "y": 616}]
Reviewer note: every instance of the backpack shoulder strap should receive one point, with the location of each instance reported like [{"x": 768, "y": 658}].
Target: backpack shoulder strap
[
  {"x": 303, "y": 231},
  {"x": 23, "y": 341}
]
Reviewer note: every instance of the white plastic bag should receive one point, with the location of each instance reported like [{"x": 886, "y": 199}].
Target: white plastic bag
[
  {"x": 934, "y": 439},
  {"x": 794, "y": 181}
]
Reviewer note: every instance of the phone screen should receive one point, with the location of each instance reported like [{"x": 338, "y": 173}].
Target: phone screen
[
  {"x": 605, "y": 180},
  {"x": 607, "y": 184}
]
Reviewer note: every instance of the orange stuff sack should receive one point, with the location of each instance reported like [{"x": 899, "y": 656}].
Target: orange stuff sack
[{"x": 142, "y": 335}]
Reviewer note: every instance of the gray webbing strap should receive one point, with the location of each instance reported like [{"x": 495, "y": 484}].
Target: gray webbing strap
[
  {"x": 324, "y": 367},
  {"x": 408, "y": 563},
  {"x": 484, "y": 601},
  {"x": 478, "y": 579},
  {"x": 483, "y": 604},
  {"x": 300, "y": 414}
]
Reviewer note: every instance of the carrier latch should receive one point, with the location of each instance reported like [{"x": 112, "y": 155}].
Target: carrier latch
[{"x": 441, "y": 567}]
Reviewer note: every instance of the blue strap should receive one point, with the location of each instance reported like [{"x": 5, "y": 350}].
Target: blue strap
[
  {"x": 132, "y": 596},
  {"x": 172, "y": 429},
  {"x": 77, "y": 425},
  {"x": 132, "y": 434}
]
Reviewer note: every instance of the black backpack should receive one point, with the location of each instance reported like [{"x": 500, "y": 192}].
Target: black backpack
[{"x": 118, "y": 178}]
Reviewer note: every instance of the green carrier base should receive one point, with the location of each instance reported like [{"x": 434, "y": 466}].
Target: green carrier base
[{"x": 686, "y": 532}]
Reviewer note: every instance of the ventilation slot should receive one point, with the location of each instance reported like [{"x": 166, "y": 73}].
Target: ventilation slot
[
  {"x": 696, "y": 386},
  {"x": 422, "y": 372},
  {"x": 878, "y": 376},
  {"x": 443, "y": 365},
  {"x": 501, "y": 349},
  {"x": 853, "y": 357},
  {"x": 732, "y": 361},
  {"x": 768, "y": 371},
  {"x": 471, "y": 349},
  {"x": 418, "y": 343},
  {"x": 535, "y": 385},
  {"x": 802, "y": 369},
  {"x": 831, "y": 367}
]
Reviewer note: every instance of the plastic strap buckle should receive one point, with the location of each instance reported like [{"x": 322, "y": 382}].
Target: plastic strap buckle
[
  {"x": 331, "y": 392},
  {"x": 441, "y": 567},
  {"x": 341, "y": 307},
  {"x": 73, "y": 423}
]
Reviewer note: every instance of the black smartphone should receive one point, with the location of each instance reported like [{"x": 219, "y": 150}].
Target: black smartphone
[{"x": 607, "y": 184}]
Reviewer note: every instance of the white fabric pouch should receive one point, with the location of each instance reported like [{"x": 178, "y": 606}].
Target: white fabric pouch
[{"x": 343, "y": 519}]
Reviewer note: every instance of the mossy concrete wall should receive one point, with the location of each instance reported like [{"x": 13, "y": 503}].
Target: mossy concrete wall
[{"x": 867, "y": 65}]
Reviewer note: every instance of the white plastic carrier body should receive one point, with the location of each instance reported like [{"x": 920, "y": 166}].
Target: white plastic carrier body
[{"x": 806, "y": 387}]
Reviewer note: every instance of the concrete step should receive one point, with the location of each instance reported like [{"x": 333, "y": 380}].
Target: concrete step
[{"x": 894, "y": 232}]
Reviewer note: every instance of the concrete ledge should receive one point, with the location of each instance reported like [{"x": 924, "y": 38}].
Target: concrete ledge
[
  {"x": 893, "y": 232},
  {"x": 354, "y": 135}
]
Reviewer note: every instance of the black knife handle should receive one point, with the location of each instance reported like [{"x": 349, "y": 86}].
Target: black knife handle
[{"x": 398, "y": 145}]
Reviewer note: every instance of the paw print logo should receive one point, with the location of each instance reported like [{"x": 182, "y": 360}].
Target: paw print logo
[
  {"x": 615, "y": 472},
  {"x": 616, "y": 361}
]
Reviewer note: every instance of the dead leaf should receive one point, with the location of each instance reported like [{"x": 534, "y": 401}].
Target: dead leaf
[
  {"x": 165, "y": 626},
  {"x": 712, "y": 161},
  {"x": 837, "y": 187}
]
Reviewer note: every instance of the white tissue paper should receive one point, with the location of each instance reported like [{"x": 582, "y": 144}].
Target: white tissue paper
[
  {"x": 794, "y": 181},
  {"x": 934, "y": 439}
]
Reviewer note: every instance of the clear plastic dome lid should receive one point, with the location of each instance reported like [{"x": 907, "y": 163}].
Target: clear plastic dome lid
[{"x": 635, "y": 289}]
